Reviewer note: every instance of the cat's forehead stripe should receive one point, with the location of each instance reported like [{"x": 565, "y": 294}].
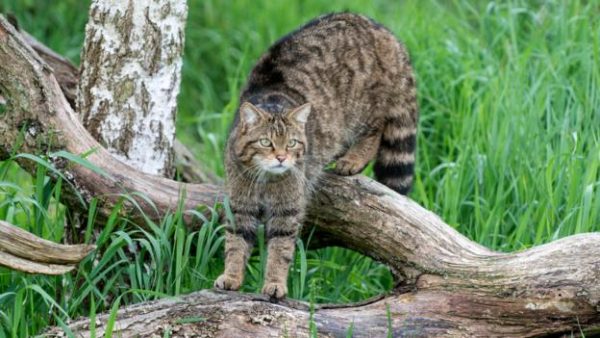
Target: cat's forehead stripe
[{"x": 278, "y": 127}]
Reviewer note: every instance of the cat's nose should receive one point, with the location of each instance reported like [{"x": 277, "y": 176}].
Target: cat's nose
[{"x": 281, "y": 158}]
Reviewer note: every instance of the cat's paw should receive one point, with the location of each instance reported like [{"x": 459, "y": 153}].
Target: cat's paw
[
  {"x": 347, "y": 167},
  {"x": 275, "y": 290},
  {"x": 225, "y": 282}
]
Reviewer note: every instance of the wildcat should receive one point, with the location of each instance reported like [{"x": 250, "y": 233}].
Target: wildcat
[{"x": 338, "y": 89}]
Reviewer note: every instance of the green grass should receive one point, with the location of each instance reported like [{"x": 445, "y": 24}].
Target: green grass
[{"x": 509, "y": 146}]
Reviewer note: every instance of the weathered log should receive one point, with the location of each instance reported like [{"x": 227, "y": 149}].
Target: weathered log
[
  {"x": 21, "y": 250},
  {"x": 456, "y": 287},
  {"x": 423, "y": 313},
  {"x": 64, "y": 71}
]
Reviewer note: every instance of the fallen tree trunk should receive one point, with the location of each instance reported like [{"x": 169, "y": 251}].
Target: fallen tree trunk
[
  {"x": 426, "y": 312},
  {"x": 455, "y": 286}
]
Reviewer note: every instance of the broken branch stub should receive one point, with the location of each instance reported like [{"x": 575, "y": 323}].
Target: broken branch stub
[{"x": 23, "y": 251}]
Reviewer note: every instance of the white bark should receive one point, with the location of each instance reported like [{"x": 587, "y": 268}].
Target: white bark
[{"x": 130, "y": 75}]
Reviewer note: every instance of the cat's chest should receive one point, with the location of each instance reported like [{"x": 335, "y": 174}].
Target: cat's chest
[
  {"x": 276, "y": 203},
  {"x": 286, "y": 191}
]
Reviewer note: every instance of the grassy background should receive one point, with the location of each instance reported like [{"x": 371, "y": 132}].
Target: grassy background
[{"x": 509, "y": 145}]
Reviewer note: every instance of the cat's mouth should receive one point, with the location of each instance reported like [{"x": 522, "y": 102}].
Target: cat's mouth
[{"x": 277, "y": 169}]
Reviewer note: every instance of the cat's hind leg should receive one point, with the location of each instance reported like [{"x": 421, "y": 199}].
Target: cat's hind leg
[{"x": 358, "y": 155}]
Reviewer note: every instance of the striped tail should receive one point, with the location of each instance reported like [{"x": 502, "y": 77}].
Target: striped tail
[{"x": 395, "y": 161}]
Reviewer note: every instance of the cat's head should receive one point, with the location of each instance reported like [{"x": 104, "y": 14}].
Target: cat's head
[{"x": 271, "y": 143}]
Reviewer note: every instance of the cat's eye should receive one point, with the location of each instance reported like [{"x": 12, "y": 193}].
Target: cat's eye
[
  {"x": 264, "y": 142},
  {"x": 292, "y": 143}
]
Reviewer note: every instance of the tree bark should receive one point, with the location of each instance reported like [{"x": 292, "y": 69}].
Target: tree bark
[
  {"x": 67, "y": 76},
  {"x": 130, "y": 75},
  {"x": 20, "y": 250},
  {"x": 450, "y": 285}
]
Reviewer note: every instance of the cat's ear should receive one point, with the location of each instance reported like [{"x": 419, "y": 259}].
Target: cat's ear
[
  {"x": 299, "y": 114},
  {"x": 250, "y": 115}
]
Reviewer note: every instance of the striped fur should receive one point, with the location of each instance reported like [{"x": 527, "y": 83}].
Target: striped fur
[
  {"x": 395, "y": 161},
  {"x": 355, "y": 80}
]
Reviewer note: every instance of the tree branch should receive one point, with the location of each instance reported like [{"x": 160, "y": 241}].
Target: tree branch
[
  {"x": 20, "y": 250},
  {"x": 458, "y": 287},
  {"x": 64, "y": 71}
]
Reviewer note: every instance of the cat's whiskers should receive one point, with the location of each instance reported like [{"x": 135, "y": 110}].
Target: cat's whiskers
[
  {"x": 247, "y": 176},
  {"x": 305, "y": 182},
  {"x": 257, "y": 177},
  {"x": 253, "y": 179}
]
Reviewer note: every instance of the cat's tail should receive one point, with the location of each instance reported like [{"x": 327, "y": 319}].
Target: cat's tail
[{"x": 394, "y": 165}]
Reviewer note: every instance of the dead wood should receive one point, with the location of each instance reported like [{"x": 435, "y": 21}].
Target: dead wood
[
  {"x": 21, "y": 250},
  {"x": 457, "y": 287}
]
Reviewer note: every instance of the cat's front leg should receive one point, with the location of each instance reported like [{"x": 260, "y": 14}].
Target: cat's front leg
[
  {"x": 282, "y": 230},
  {"x": 239, "y": 241}
]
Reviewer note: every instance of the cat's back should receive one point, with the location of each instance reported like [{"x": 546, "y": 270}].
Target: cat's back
[
  {"x": 336, "y": 57},
  {"x": 359, "y": 82}
]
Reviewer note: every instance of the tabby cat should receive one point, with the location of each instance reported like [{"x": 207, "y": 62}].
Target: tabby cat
[{"x": 340, "y": 89}]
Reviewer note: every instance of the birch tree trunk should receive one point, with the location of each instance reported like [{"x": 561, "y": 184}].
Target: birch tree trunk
[{"x": 130, "y": 75}]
